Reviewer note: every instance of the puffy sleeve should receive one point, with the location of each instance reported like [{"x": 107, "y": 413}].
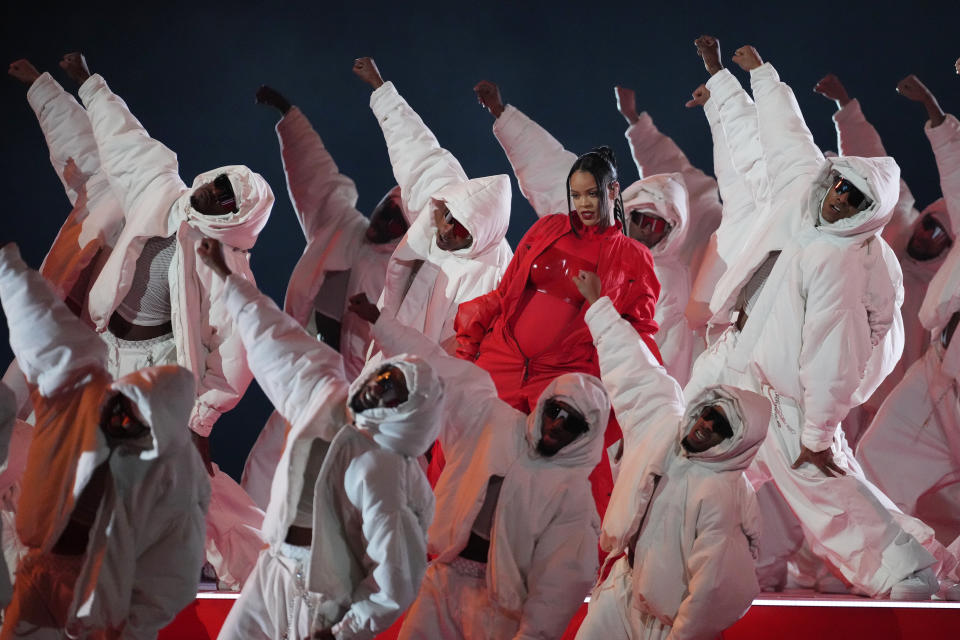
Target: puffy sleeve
[
  {"x": 722, "y": 579},
  {"x": 640, "y": 389},
  {"x": 945, "y": 141},
  {"x": 68, "y": 133},
  {"x": 788, "y": 147},
  {"x": 396, "y": 544},
  {"x": 294, "y": 369},
  {"x": 53, "y": 347},
  {"x": 856, "y": 136},
  {"x": 539, "y": 161},
  {"x": 324, "y": 199},
  {"x": 834, "y": 322},
  {"x": 563, "y": 568},
  {"x": 143, "y": 172},
  {"x": 421, "y": 166}
]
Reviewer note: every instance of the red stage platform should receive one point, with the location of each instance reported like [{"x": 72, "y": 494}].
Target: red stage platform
[{"x": 797, "y": 615}]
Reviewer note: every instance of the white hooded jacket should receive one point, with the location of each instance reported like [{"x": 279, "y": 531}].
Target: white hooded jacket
[
  {"x": 156, "y": 203},
  {"x": 154, "y": 505},
  {"x": 836, "y": 288},
  {"x": 702, "y": 580},
  {"x": 372, "y": 503},
  {"x": 543, "y": 543},
  {"x": 425, "y": 284}
]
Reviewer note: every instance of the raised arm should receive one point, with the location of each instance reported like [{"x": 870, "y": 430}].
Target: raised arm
[
  {"x": 539, "y": 161},
  {"x": 65, "y": 127},
  {"x": 420, "y": 165},
  {"x": 943, "y": 131},
  {"x": 142, "y": 171},
  {"x": 324, "y": 199},
  {"x": 640, "y": 389},
  {"x": 788, "y": 147},
  {"x": 295, "y": 370},
  {"x": 53, "y": 347}
]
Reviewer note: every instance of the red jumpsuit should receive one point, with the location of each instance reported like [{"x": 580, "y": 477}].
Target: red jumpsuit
[{"x": 530, "y": 329}]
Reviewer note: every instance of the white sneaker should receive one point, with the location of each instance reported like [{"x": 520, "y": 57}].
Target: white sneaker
[{"x": 919, "y": 585}]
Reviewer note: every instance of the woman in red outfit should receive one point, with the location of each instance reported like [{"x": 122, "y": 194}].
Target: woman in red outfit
[{"x": 530, "y": 329}]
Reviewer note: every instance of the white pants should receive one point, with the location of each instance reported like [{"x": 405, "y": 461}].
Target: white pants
[
  {"x": 233, "y": 519},
  {"x": 610, "y": 614},
  {"x": 845, "y": 519},
  {"x": 453, "y": 604},
  {"x": 912, "y": 449},
  {"x": 275, "y": 603}
]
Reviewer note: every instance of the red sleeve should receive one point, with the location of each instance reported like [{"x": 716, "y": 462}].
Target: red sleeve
[
  {"x": 639, "y": 303},
  {"x": 473, "y": 321}
]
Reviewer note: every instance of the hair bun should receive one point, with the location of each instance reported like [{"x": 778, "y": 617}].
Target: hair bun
[{"x": 606, "y": 153}]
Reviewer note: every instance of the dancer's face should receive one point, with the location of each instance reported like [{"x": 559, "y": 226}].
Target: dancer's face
[
  {"x": 708, "y": 430},
  {"x": 560, "y": 425},
  {"x": 451, "y": 234},
  {"x": 929, "y": 239},
  {"x": 385, "y": 388},
  {"x": 214, "y": 198},
  {"x": 646, "y": 227},
  {"x": 387, "y": 222}
]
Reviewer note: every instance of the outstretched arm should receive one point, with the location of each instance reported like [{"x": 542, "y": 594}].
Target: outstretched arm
[
  {"x": 324, "y": 199},
  {"x": 640, "y": 389},
  {"x": 53, "y": 347},
  {"x": 421, "y": 166},
  {"x": 539, "y": 161},
  {"x": 788, "y": 146},
  {"x": 295, "y": 370},
  {"x": 142, "y": 171}
]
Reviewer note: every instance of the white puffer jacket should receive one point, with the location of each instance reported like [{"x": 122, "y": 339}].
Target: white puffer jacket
[
  {"x": 425, "y": 284},
  {"x": 656, "y": 153},
  {"x": 156, "y": 203},
  {"x": 543, "y": 546},
  {"x": 372, "y": 503},
  {"x": 91, "y": 229},
  {"x": 835, "y": 289},
  {"x": 155, "y": 503},
  {"x": 857, "y": 137},
  {"x": 325, "y": 202},
  {"x": 692, "y": 517},
  {"x": 667, "y": 195}
]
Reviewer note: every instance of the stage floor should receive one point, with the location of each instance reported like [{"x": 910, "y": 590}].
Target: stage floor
[{"x": 792, "y": 615}]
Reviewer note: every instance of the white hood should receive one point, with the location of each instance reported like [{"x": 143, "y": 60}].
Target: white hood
[
  {"x": 411, "y": 427},
  {"x": 164, "y": 397},
  {"x": 877, "y": 178},
  {"x": 586, "y": 394},
  {"x": 748, "y": 414},
  {"x": 240, "y": 229},
  {"x": 665, "y": 193},
  {"x": 482, "y": 206}
]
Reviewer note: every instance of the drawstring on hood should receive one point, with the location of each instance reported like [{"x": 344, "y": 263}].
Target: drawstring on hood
[{"x": 411, "y": 427}]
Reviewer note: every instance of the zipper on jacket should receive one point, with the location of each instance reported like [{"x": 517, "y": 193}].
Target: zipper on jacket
[{"x": 526, "y": 368}]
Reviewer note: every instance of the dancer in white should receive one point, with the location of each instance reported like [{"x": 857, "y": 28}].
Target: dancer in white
[
  {"x": 346, "y": 254},
  {"x": 113, "y": 489},
  {"x": 912, "y": 448},
  {"x": 455, "y": 249},
  {"x": 141, "y": 287},
  {"x": 515, "y": 533},
  {"x": 919, "y": 239},
  {"x": 349, "y": 506},
  {"x": 682, "y": 524},
  {"x": 830, "y": 289}
]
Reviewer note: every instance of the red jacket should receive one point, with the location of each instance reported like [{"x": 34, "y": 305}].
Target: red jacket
[{"x": 627, "y": 277}]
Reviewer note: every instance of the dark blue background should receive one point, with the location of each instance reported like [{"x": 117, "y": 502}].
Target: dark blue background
[{"x": 189, "y": 72}]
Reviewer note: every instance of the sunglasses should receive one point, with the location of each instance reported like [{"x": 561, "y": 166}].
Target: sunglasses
[
  {"x": 720, "y": 423},
  {"x": 458, "y": 230},
  {"x": 225, "y": 197},
  {"x": 930, "y": 224},
  {"x": 648, "y": 221},
  {"x": 573, "y": 422},
  {"x": 855, "y": 197}
]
